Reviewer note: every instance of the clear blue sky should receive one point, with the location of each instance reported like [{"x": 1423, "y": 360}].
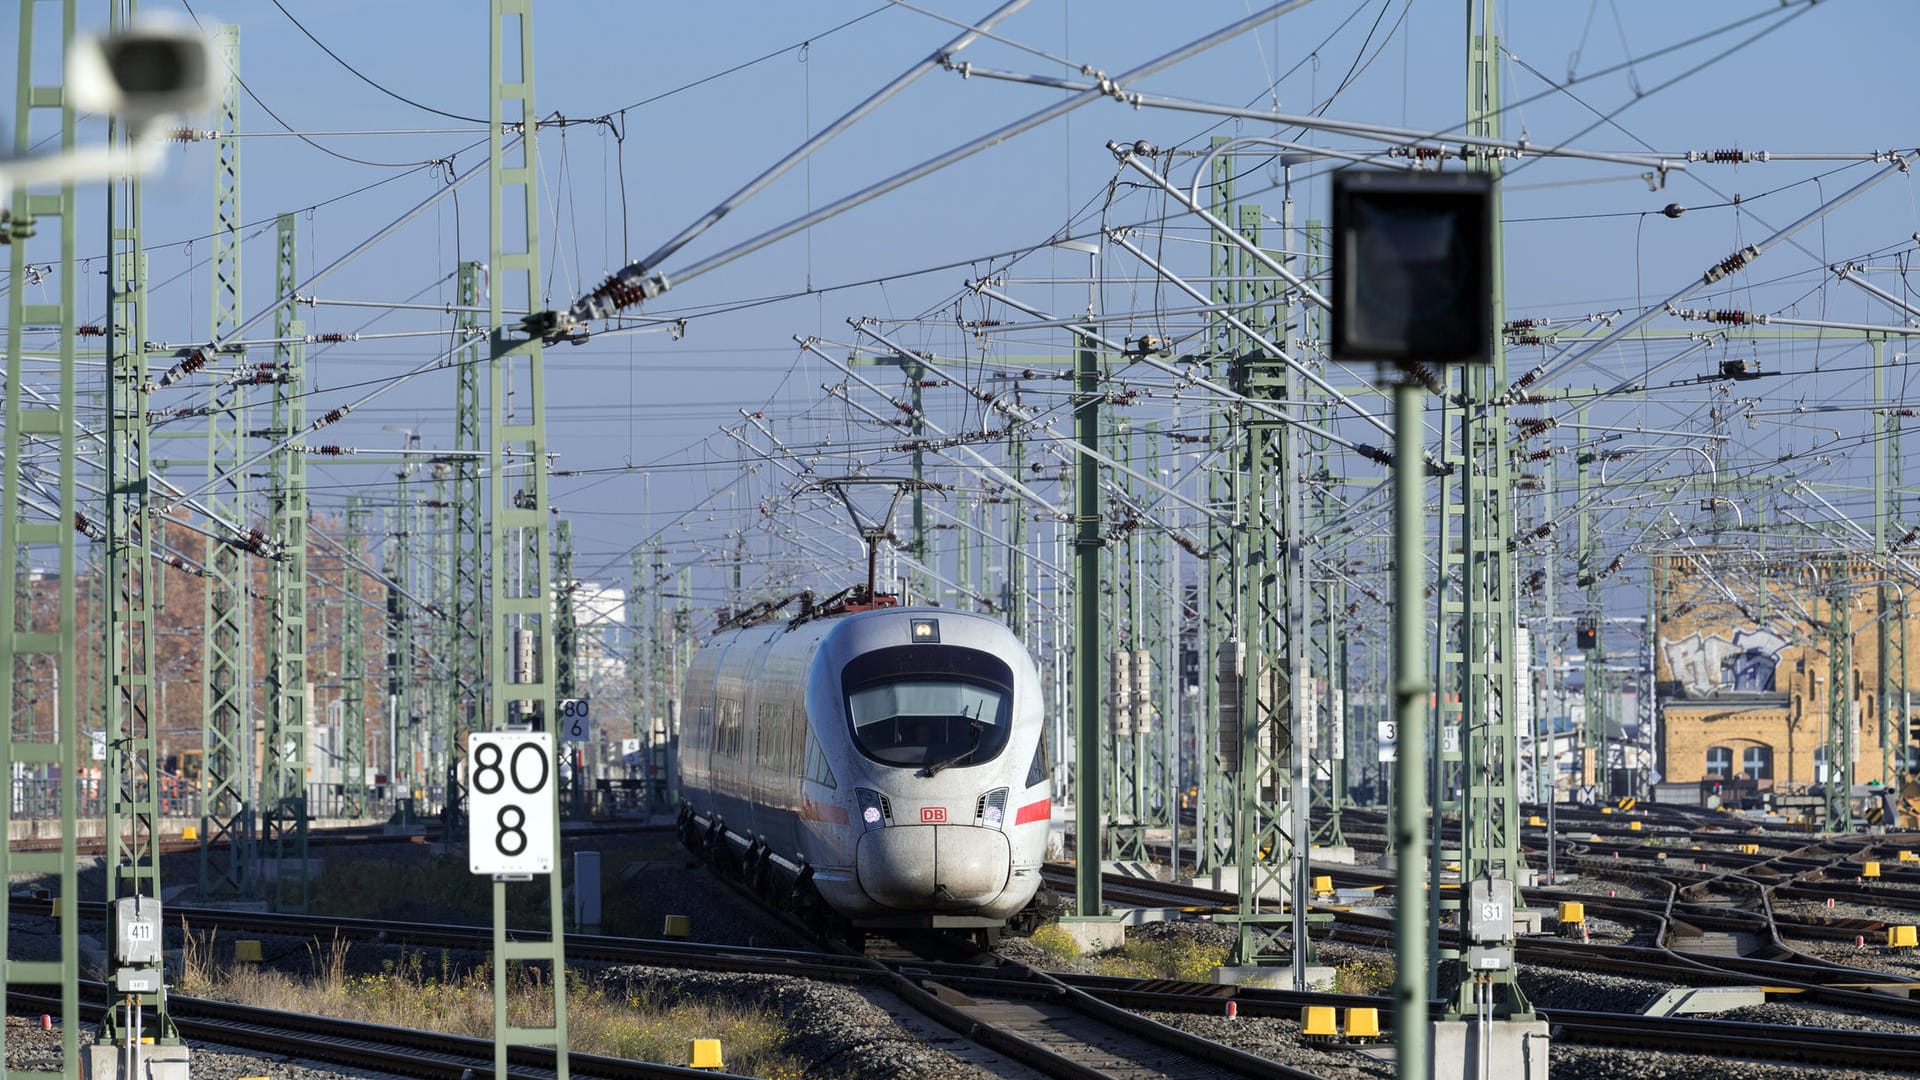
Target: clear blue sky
[{"x": 1830, "y": 77}]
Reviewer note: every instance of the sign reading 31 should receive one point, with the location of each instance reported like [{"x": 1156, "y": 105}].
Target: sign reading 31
[{"x": 510, "y": 802}]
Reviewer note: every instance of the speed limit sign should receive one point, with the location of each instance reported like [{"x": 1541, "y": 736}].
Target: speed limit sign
[{"x": 510, "y": 801}]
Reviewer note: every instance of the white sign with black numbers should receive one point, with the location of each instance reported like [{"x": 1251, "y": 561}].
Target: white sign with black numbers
[
  {"x": 573, "y": 720},
  {"x": 510, "y": 802},
  {"x": 1388, "y": 738}
]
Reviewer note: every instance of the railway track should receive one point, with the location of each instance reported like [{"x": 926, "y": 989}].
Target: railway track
[
  {"x": 1042, "y": 1022},
  {"x": 401, "y": 1051},
  {"x": 1084, "y": 1026}
]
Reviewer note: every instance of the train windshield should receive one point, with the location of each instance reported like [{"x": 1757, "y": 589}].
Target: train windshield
[{"x": 929, "y": 707}]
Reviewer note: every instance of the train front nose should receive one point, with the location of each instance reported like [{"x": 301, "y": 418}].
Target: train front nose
[{"x": 934, "y": 867}]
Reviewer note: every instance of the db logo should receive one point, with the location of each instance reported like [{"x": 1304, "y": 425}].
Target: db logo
[{"x": 934, "y": 815}]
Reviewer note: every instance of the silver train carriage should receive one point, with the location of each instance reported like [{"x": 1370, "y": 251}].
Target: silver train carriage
[{"x": 892, "y": 757}]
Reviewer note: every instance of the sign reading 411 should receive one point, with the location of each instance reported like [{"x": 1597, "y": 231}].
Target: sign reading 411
[{"x": 511, "y": 807}]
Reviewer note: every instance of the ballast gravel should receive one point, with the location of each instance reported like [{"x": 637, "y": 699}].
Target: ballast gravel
[{"x": 29, "y": 1046}]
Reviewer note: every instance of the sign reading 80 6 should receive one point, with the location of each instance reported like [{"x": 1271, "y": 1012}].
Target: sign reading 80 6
[{"x": 510, "y": 802}]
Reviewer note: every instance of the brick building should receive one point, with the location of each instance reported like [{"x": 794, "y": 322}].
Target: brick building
[{"x": 1756, "y": 650}]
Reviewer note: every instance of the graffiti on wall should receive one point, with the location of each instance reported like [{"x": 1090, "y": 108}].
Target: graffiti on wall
[{"x": 1706, "y": 664}]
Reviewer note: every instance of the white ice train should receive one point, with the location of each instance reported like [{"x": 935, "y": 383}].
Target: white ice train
[{"x": 885, "y": 762}]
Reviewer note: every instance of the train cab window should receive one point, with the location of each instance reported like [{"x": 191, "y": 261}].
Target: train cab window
[{"x": 929, "y": 707}]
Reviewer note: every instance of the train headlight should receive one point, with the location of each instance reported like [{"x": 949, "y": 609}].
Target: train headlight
[
  {"x": 875, "y": 813},
  {"x": 991, "y": 809}
]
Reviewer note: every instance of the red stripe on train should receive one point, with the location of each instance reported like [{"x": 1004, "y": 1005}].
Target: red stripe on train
[
  {"x": 827, "y": 812},
  {"x": 1034, "y": 811}
]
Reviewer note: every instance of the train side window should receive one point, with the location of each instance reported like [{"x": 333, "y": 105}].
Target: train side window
[
  {"x": 816, "y": 764},
  {"x": 1037, "y": 772},
  {"x": 769, "y": 735}
]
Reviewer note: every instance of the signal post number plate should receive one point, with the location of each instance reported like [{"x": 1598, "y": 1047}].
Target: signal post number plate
[{"x": 511, "y": 804}]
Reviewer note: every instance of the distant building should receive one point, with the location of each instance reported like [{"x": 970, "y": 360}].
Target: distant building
[{"x": 1757, "y": 651}]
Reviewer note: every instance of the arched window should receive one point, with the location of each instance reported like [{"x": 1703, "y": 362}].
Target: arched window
[
  {"x": 1719, "y": 762},
  {"x": 1757, "y": 762}
]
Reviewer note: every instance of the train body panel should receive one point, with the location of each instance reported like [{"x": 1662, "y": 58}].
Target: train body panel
[{"x": 895, "y": 753}]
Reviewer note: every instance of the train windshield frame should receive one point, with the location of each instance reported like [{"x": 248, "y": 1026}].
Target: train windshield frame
[{"x": 928, "y": 706}]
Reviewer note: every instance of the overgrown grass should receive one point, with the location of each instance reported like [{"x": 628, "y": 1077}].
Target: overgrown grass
[
  {"x": 426, "y": 996},
  {"x": 1171, "y": 958},
  {"x": 1055, "y": 942},
  {"x": 1167, "y": 957},
  {"x": 1368, "y": 976}
]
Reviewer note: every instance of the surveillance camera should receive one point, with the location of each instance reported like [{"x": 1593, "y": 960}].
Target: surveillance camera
[{"x": 141, "y": 75}]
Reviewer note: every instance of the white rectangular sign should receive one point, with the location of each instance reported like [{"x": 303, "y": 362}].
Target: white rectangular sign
[
  {"x": 1310, "y": 714},
  {"x": 511, "y": 805},
  {"x": 1338, "y": 735},
  {"x": 1388, "y": 730},
  {"x": 1450, "y": 740},
  {"x": 573, "y": 724}
]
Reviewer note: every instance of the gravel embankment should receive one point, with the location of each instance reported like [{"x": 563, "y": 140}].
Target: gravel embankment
[
  {"x": 855, "y": 1033},
  {"x": 31, "y": 1047}
]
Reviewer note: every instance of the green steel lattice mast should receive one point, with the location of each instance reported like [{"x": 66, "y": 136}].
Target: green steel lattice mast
[
  {"x": 43, "y": 220},
  {"x": 517, "y": 491},
  {"x": 227, "y": 851},
  {"x": 283, "y": 788}
]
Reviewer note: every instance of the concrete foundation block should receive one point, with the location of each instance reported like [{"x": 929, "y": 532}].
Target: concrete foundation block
[
  {"x": 1527, "y": 920},
  {"x": 1140, "y": 916},
  {"x": 1692, "y": 1000},
  {"x": 156, "y": 1063},
  {"x": 1341, "y": 855},
  {"x": 1095, "y": 935},
  {"x": 270, "y": 869},
  {"x": 1319, "y": 977},
  {"x": 1515, "y": 1049},
  {"x": 1227, "y": 879}
]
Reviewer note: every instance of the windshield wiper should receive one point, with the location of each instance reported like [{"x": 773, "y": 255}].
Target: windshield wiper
[{"x": 934, "y": 769}]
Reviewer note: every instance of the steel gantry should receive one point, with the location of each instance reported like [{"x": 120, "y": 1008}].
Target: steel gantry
[
  {"x": 1270, "y": 782},
  {"x": 643, "y": 626},
  {"x": 403, "y": 702},
  {"x": 1220, "y": 646},
  {"x": 353, "y": 668},
  {"x": 132, "y": 780},
  {"x": 38, "y": 642},
  {"x": 1897, "y": 752},
  {"x": 566, "y": 643},
  {"x": 518, "y": 502},
  {"x": 443, "y": 700},
  {"x": 228, "y": 859},
  {"x": 1324, "y": 707},
  {"x": 914, "y": 372},
  {"x": 1479, "y": 621},
  {"x": 1129, "y": 715},
  {"x": 1590, "y": 634},
  {"x": 1089, "y": 636},
  {"x": 466, "y": 614},
  {"x": 283, "y": 782}
]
